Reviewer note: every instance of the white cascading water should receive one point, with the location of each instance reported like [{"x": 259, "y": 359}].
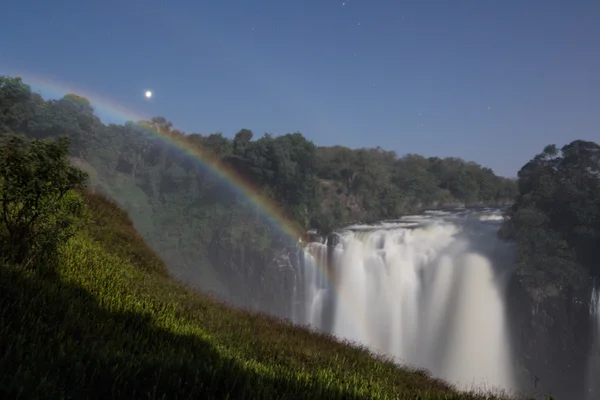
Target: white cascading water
[
  {"x": 593, "y": 383},
  {"x": 316, "y": 287},
  {"x": 423, "y": 290}
]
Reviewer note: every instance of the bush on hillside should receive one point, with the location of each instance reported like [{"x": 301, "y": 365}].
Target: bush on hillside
[{"x": 39, "y": 203}]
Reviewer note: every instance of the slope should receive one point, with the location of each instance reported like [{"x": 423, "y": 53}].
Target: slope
[{"x": 111, "y": 323}]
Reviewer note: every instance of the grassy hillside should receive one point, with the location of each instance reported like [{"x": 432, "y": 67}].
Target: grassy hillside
[{"x": 110, "y": 323}]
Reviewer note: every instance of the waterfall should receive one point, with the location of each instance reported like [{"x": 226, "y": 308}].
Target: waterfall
[
  {"x": 426, "y": 290},
  {"x": 316, "y": 290},
  {"x": 593, "y": 375}
]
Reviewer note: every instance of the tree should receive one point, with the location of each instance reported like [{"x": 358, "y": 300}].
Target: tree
[
  {"x": 555, "y": 219},
  {"x": 15, "y": 108},
  {"x": 38, "y": 203},
  {"x": 241, "y": 140}
]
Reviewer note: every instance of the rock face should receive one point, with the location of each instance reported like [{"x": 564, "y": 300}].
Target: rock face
[{"x": 551, "y": 340}]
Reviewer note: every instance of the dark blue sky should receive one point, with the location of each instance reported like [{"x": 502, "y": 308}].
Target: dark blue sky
[{"x": 489, "y": 81}]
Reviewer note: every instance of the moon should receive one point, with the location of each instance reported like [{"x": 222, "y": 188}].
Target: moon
[{"x": 148, "y": 94}]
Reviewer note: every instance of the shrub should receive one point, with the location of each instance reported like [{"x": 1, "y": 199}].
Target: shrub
[{"x": 39, "y": 200}]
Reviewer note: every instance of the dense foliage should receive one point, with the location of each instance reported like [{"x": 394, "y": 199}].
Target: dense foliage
[
  {"x": 209, "y": 234},
  {"x": 556, "y": 218},
  {"x": 38, "y": 207},
  {"x": 110, "y": 323}
]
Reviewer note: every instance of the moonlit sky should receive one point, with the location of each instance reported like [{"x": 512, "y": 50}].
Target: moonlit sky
[{"x": 486, "y": 80}]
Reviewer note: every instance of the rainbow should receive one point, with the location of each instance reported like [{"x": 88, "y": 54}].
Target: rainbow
[{"x": 51, "y": 88}]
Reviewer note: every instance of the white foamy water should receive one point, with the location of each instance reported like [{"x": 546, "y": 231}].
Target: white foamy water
[
  {"x": 492, "y": 217},
  {"x": 593, "y": 372},
  {"x": 595, "y": 307},
  {"x": 425, "y": 290},
  {"x": 383, "y": 225}
]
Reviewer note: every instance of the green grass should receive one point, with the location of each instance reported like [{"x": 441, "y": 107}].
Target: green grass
[{"x": 110, "y": 323}]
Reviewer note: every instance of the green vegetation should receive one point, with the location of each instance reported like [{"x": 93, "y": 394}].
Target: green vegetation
[
  {"x": 38, "y": 209},
  {"x": 555, "y": 220},
  {"x": 96, "y": 315},
  {"x": 207, "y": 234}
]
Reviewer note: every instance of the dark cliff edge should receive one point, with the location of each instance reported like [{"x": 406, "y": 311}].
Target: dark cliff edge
[{"x": 551, "y": 339}]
